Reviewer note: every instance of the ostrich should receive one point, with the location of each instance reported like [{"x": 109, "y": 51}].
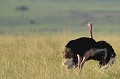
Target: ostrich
[
  {"x": 78, "y": 51},
  {"x": 80, "y": 48},
  {"x": 110, "y": 56}
]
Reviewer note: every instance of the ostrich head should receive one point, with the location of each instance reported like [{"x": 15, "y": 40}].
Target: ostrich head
[
  {"x": 69, "y": 59},
  {"x": 89, "y": 24},
  {"x": 90, "y": 28}
]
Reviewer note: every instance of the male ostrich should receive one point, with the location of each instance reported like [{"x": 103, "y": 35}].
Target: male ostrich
[
  {"x": 103, "y": 44},
  {"x": 78, "y": 51}
]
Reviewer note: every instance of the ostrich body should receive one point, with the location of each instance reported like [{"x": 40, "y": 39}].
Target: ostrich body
[{"x": 80, "y": 50}]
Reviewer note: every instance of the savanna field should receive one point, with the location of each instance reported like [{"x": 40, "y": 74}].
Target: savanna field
[
  {"x": 40, "y": 57},
  {"x": 33, "y": 34}
]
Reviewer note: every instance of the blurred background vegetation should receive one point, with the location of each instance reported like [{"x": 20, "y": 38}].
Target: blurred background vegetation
[{"x": 39, "y": 16}]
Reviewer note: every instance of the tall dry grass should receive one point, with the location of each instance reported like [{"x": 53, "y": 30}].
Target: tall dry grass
[{"x": 39, "y": 57}]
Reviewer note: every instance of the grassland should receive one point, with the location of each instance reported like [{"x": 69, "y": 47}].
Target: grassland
[
  {"x": 55, "y": 15},
  {"x": 31, "y": 41},
  {"x": 39, "y": 57}
]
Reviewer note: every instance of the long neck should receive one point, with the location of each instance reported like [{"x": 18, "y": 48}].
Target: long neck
[{"x": 90, "y": 30}]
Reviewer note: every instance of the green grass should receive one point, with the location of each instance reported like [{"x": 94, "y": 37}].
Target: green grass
[
  {"x": 54, "y": 15},
  {"x": 40, "y": 57}
]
